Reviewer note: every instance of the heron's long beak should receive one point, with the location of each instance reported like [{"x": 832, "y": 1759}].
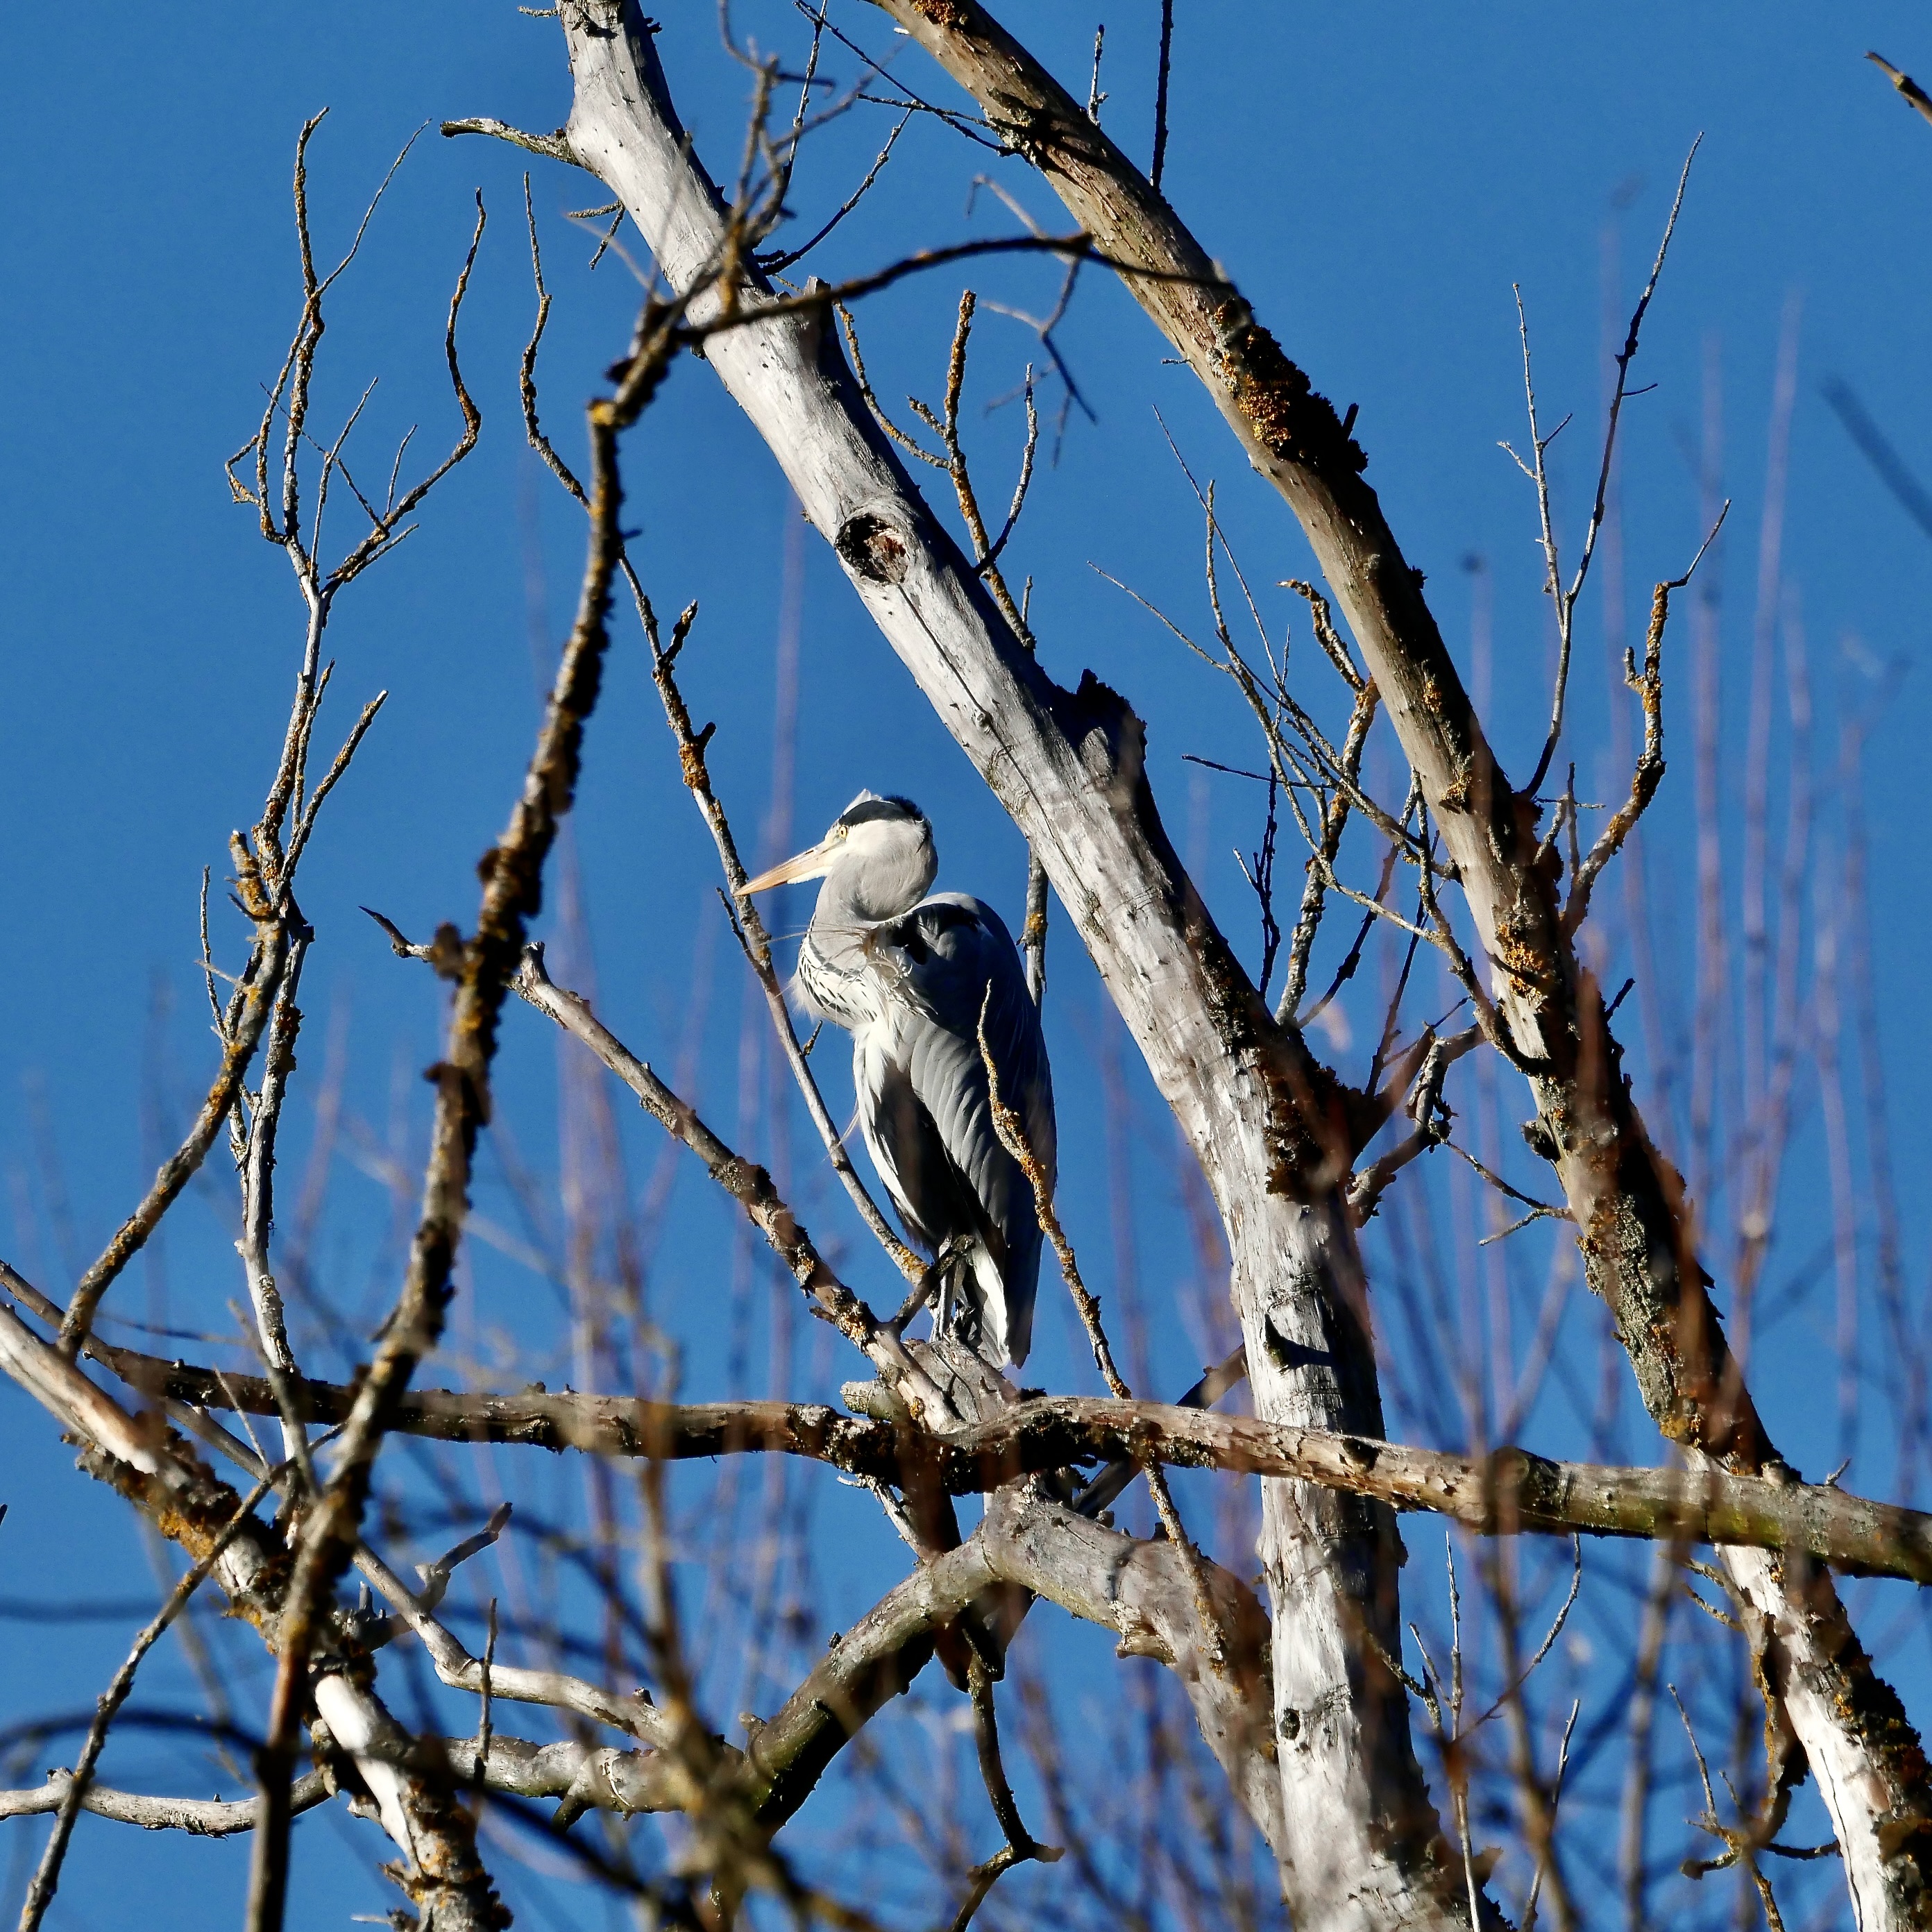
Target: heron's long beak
[{"x": 813, "y": 863}]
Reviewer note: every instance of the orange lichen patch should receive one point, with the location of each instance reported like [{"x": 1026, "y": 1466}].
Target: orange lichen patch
[
  {"x": 691, "y": 758},
  {"x": 1292, "y": 419},
  {"x": 1521, "y": 947},
  {"x": 445, "y": 1845},
  {"x": 195, "y": 1515},
  {"x": 947, "y": 15}
]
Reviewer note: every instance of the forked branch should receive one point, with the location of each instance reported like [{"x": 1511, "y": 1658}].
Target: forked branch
[
  {"x": 1647, "y": 774},
  {"x": 1565, "y": 597}
]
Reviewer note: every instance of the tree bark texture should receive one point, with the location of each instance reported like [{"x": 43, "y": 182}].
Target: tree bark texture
[
  {"x": 1636, "y": 1232},
  {"x": 1362, "y": 1842}
]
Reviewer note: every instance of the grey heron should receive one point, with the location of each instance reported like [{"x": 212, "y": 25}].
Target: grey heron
[{"x": 909, "y": 976}]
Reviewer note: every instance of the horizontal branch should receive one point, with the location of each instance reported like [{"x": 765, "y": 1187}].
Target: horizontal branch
[
  {"x": 583, "y": 1776},
  {"x": 1508, "y": 1491},
  {"x": 201, "y": 1817}
]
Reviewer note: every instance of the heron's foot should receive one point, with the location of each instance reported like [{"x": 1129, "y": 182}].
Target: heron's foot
[{"x": 968, "y": 1325}]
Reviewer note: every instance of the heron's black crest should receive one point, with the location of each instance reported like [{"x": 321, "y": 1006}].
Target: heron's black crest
[{"x": 880, "y": 808}]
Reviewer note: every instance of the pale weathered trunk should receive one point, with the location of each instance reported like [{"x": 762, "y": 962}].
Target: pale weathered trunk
[
  {"x": 1636, "y": 1235},
  {"x": 1363, "y": 1849}
]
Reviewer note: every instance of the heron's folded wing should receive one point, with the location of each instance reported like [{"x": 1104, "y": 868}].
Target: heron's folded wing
[
  {"x": 954, "y": 958},
  {"x": 904, "y": 1143}
]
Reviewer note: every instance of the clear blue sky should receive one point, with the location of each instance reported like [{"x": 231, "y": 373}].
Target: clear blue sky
[{"x": 1375, "y": 178}]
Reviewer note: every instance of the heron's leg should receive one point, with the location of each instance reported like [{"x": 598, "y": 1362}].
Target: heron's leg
[
  {"x": 943, "y": 1281},
  {"x": 958, "y": 1313}
]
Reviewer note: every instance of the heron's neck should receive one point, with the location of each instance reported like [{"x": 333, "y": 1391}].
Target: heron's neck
[
  {"x": 833, "y": 964},
  {"x": 845, "y": 917}
]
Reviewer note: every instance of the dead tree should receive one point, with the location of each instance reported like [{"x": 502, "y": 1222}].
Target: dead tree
[{"x": 1304, "y": 1705}]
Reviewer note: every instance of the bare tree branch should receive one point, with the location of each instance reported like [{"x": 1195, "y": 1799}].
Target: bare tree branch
[
  {"x": 691, "y": 746},
  {"x": 150, "y": 1468},
  {"x": 46, "y": 1876},
  {"x": 1507, "y": 1492},
  {"x": 512, "y": 873},
  {"x": 261, "y": 982},
  {"x": 1627, "y": 1201},
  {"x": 1070, "y": 767},
  {"x": 1906, "y": 85},
  {"x": 200, "y": 1817}
]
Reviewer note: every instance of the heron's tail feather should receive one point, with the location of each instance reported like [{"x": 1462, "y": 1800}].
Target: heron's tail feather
[{"x": 973, "y": 1302}]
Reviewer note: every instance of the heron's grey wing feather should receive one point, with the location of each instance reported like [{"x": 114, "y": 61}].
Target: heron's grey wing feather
[
  {"x": 952, "y": 956},
  {"x": 904, "y": 1143}
]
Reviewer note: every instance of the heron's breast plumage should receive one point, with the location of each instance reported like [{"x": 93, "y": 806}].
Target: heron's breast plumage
[{"x": 844, "y": 990}]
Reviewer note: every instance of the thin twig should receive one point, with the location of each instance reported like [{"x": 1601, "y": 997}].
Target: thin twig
[
  {"x": 513, "y": 873},
  {"x": 1648, "y": 772},
  {"x": 1566, "y": 599},
  {"x": 1012, "y": 1132},
  {"x": 1159, "y": 95},
  {"x": 748, "y": 927},
  {"x": 1556, "y": 1796},
  {"x": 772, "y": 264},
  {"x": 256, "y": 998}
]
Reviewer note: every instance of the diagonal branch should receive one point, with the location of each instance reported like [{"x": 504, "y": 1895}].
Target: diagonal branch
[
  {"x": 1906, "y": 85},
  {"x": 749, "y": 1184},
  {"x": 1636, "y": 1227},
  {"x": 1264, "y": 1119},
  {"x": 261, "y": 982},
  {"x": 758, "y": 946}
]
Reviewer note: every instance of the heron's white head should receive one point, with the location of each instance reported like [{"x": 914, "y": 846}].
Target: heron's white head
[{"x": 879, "y": 849}]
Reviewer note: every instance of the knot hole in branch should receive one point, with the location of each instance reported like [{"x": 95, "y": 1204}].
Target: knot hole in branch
[{"x": 872, "y": 547}]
